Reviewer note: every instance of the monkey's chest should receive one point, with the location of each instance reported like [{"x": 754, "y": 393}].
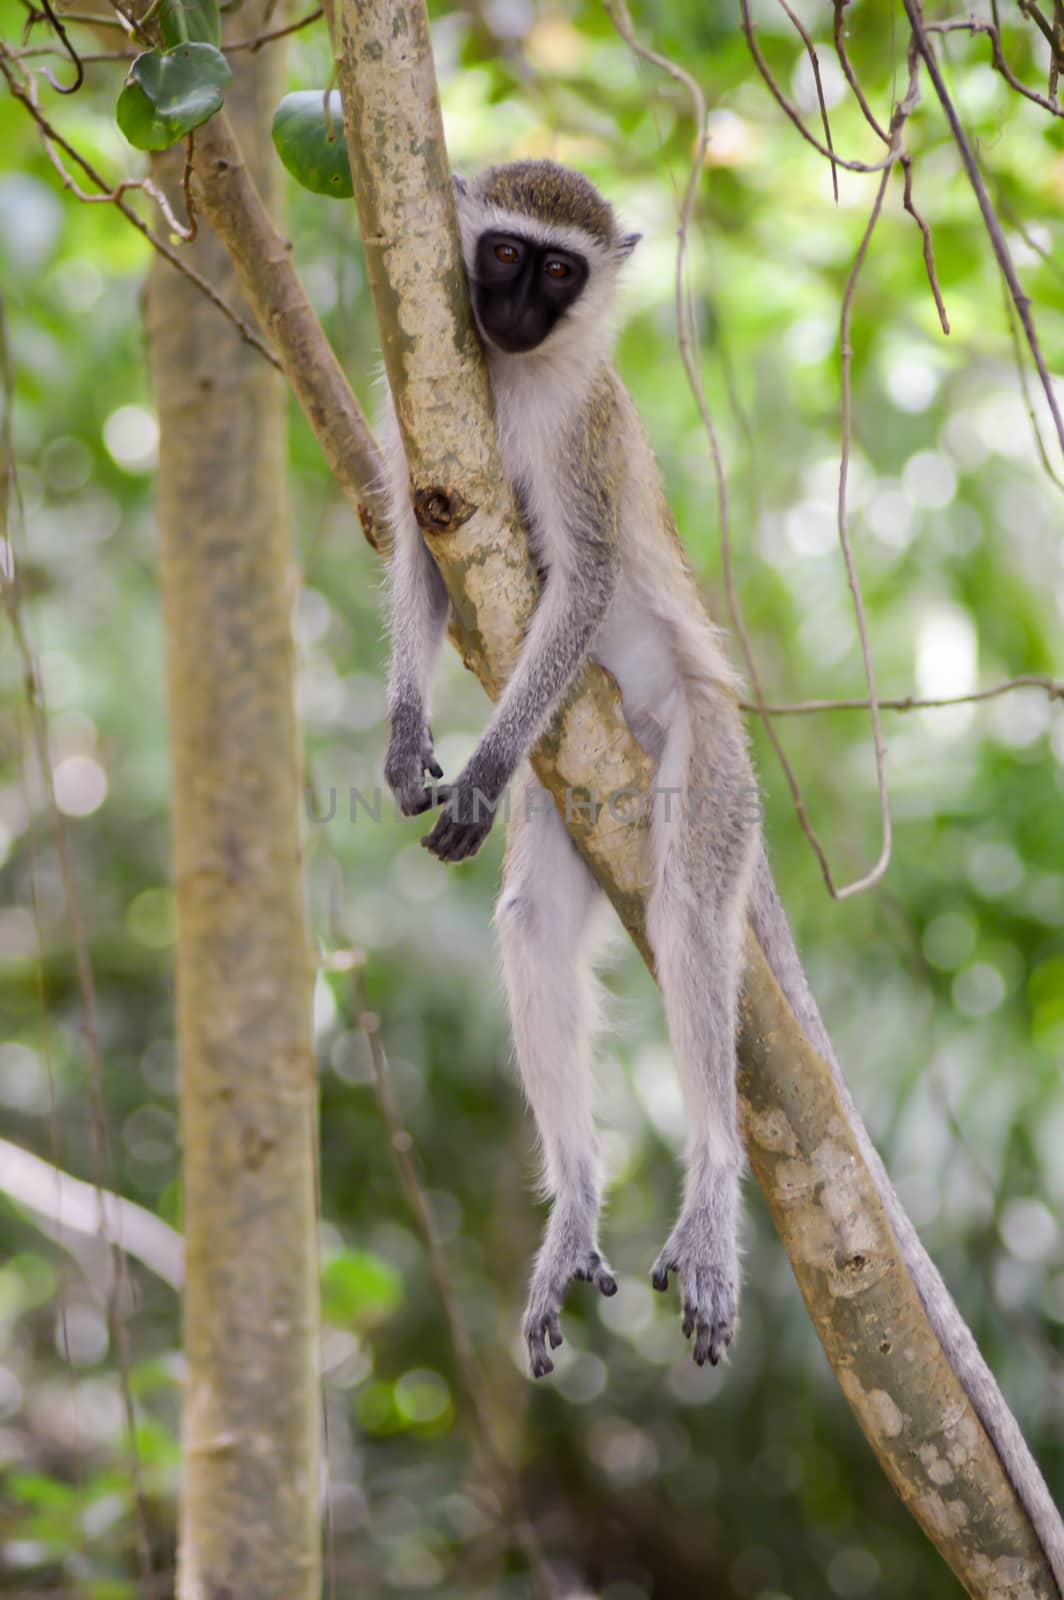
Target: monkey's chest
[{"x": 544, "y": 524}]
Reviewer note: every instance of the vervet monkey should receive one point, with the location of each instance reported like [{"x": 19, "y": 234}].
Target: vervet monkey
[{"x": 543, "y": 251}]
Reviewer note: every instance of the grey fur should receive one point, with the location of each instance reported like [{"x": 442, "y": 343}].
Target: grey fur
[{"x": 618, "y": 587}]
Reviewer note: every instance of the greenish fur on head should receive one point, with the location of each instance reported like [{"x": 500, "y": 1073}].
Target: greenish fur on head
[{"x": 551, "y": 194}]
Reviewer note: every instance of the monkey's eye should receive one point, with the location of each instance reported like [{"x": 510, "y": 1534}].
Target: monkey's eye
[
  {"x": 508, "y": 254},
  {"x": 557, "y": 269}
]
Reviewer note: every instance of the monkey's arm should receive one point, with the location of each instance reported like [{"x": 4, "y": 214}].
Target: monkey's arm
[
  {"x": 418, "y": 621},
  {"x": 574, "y": 601}
]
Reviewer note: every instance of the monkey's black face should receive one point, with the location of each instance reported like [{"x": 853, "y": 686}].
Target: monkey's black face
[{"x": 521, "y": 288}]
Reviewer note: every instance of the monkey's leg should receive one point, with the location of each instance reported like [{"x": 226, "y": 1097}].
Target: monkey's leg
[
  {"x": 703, "y": 833},
  {"x": 543, "y": 920}
]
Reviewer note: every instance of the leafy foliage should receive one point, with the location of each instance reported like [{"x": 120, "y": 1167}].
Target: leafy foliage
[
  {"x": 196, "y": 20},
  {"x": 311, "y": 144},
  {"x": 170, "y": 92}
]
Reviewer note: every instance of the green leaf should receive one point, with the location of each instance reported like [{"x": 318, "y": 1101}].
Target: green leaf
[
  {"x": 168, "y": 94},
  {"x": 311, "y": 146},
  {"x": 184, "y": 21},
  {"x": 358, "y": 1287}
]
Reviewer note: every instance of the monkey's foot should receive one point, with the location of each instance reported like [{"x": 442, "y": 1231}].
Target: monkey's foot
[
  {"x": 560, "y": 1260},
  {"x": 705, "y": 1257}
]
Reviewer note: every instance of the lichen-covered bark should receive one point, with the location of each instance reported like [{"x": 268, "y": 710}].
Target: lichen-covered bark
[
  {"x": 249, "y": 1497},
  {"x": 865, "y": 1308},
  {"x": 802, "y": 1148}
]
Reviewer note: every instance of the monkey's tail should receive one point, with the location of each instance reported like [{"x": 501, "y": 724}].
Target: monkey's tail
[{"x": 773, "y": 931}]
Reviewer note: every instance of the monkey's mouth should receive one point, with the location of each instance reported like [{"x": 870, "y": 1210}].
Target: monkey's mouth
[
  {"x": 514, "y": 344},
  {"x": 515, "y": 336}
]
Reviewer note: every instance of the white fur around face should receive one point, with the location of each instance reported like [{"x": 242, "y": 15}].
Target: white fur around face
[{"x": 586, "y": 329}]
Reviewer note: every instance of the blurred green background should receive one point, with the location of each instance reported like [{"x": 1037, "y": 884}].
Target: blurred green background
[{"x": 944, "y": 988}]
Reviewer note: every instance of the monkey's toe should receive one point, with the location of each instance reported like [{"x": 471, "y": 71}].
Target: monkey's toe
[
  {"x": 595, "y": 1271},
  {"x": 542, "y": 1326}
]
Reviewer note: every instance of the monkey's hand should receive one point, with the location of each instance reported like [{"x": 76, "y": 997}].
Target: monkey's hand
[
  {"x": 469, "y": 806},
  {"x": 410, "y": 756},
  {"x": 463, "y": 824},
  {"x": 568, "y": 1252}
]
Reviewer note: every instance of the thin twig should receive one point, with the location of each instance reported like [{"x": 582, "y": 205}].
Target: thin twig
[
  {"x": 993, "y": 226},
  {"x": 1028, "y": 398},
  {"x": 1031, "y": 10},
  {"x": 904, "y": 157},
  {"x": 189, "y": 233},
  {"x": 95, "y": 21},
  {"x": 24, "y": 92},
  {"x": 257, "y": 40},
  {"x": 814, "y": 61},
  {"x": 79, "y": 70},
  {"x": 792, "y": 111},
  {"x": 86, "y": 61},
  {"x": 1009, "y": 212},
  {"x": 1053, "y": 687},
  {"x": 929, "y": 255},
  {"x": 846, "y": 361},
  {"x": 993, "y": 33},
  {"x": 851, "y": 76}
]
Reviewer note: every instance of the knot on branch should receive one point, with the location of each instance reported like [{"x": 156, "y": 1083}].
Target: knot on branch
[
  {"x": 440, "y": 510},
  {"x": 369, "y": 525}
]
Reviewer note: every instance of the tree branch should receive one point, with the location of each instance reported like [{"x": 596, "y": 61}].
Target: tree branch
[{"x": 227, "y": 198}]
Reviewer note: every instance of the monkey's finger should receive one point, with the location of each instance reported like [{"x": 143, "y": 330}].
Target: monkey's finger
[
  {"x": 554, "y": 1330},
  {"x": 689, "y": 1318},
  {"x": 446, "y": 840},
  {"x": 704, "y": 1346},
  {"x": 659, "y": 1276},
  {"x": 434, "y": 768},
  {"x": 605, "y": 1282},
  {"x": 540, "y": 1362},
  {"x": 721, "y": 1339},
  {"x": 438, "y": 841},
  {"x": 465, "y": 843},
  {"x": 423, "y": 801}
]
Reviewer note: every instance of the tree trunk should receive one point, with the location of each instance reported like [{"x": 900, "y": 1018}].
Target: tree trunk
[{"x": 249, "y": 1502}]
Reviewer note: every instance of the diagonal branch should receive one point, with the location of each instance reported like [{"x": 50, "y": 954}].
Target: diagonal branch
[{"x": 228, "y": 200}]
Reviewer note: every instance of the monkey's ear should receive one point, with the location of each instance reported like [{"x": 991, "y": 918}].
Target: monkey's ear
[
  {"x": 628, "y": 244},
  {"x": 460, "y": 185}
]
